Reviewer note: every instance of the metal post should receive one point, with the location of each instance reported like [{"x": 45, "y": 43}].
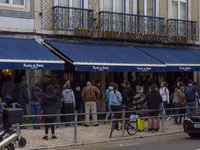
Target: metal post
[
  {"x": 123, "y": 121},
  {"x": 75, "y": 127},
  {"x": 18, "y": 134},
  {"x": 162, "y": 129}
]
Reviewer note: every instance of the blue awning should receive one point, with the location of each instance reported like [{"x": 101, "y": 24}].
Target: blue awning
[
  {"x": 175, "y": 59},
  {"x": 111, "y": 58},
  {"x": 23, "y": 54}
]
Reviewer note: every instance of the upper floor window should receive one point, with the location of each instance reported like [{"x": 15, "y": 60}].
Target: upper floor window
[
  {"x": 13, "y": 2},
  {"x": 179, "y": 9},
  {"x": 145, "y": 7},
  {"x": 70, "y": 3},
  {"x": 114, "y": 5}
]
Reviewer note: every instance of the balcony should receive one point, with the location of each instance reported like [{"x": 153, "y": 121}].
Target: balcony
[
  {"x": 130, "y": 23},
  {"x": 69, "y": 18},
  {"x": 187, "y": 28}
]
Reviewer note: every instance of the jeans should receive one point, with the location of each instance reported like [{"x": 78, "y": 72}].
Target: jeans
[
  {"x": 191, "y": 104},
  {"x": 35, "y": 109},
  {"x": 58, "y": 117},
  {"x": 24, "y": 110},
  {"x": 109, "y": 110},
  {"x": 164, "y": 105},
  {"x": 176, "y": 112}
]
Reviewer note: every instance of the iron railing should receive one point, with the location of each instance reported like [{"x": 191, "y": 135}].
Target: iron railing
[
  {"x": 69, "y": 18},
  {"x": 122, "y": 22},
  {"x": 177, "y": 27}
]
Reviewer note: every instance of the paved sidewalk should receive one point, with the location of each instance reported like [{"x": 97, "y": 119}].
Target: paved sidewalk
[{"x": 87, "y": 135}]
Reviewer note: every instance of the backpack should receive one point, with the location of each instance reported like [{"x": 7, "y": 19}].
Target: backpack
[
  {"x": 189, "y": 93},
  {"x": 107, "y": 95},
  {"x": 125, "y": 98},
  {"x": 14, "y": 95}
]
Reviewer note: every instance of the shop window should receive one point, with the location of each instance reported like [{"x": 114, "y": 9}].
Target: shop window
[
  {"x": 116, "y": 18},
  {"x": 13, "y": 2}
]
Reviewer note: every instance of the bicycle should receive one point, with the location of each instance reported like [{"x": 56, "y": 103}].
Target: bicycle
[{"x": 131, "y": 126}]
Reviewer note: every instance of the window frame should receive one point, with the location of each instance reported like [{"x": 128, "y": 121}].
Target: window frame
[
  {"x": 10, "y": 3},
  {"x": 179, "y": 8},
  {"x": 70, "y": 3},
  {"x": 145, "y": 7}
]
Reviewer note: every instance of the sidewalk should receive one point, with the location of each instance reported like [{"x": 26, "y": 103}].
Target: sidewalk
[{"x": 86, "y": 135}]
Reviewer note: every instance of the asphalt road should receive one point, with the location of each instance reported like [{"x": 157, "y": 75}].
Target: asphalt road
[{"x": 179, "y": 141}]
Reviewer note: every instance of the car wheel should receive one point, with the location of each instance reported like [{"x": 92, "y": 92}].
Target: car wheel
[{"x": 193, "y": 135}]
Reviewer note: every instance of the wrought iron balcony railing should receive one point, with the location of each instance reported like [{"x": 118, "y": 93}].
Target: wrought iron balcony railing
[
  {"x": 113, "y": 21},
  {"x": 69, "y": 18},
  {"x": 179, "y": 27}
]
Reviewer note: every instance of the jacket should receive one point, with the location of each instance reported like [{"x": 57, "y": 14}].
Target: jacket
[
  {"x": 127, "y": 96},
  {"x": 164, "y": 92},
  {"x": 153, "y": 100},
  {"x": 78, "y": 99},
  {"x": 110, "y": 89},
  {"x": 48, "y": 104},
  {"x": 22, "y": 94},
  {"x": 178, "y": 95},
  {"x": 68, "y": 96},
  {"x": 115, "y": 99},
  {"x": 7, "y": 89},
  {"x": 90, "y": 93},
  {"x": 58, "y": 93},
  {"x": 36, "y": 94}
]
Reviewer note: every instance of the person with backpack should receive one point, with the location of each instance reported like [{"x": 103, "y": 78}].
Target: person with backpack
[
  {"x": 36, "y": 98},
  {"x": 190, "y": 95},
  {"x": 110, "y": 89}
]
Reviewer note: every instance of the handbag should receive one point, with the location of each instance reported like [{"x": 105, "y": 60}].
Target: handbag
[
  {"x": 40, "y": 113},
  {"x": 117, "y": 99}
]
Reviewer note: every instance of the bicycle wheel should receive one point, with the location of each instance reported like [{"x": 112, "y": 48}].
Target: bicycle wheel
[
  {"x": 9, "y": 147},
  {"x": 132, "y": 127},
  {"x": 112, "y": 129}
]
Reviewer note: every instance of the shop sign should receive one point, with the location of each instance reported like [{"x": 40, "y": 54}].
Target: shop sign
[
  {"x": 144, "y": 69},
  {"x": 185, "y": 68},
  {"x": 33, "y": 66},
  {"x": 101, "y": 68},
  {"x": 129, "y": 35}
]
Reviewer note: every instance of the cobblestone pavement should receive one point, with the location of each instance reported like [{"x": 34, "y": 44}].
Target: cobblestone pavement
[{"x": 86, "y": 135}]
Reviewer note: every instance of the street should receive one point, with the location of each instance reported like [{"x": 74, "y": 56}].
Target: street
[{"x": 180, "y": 141}]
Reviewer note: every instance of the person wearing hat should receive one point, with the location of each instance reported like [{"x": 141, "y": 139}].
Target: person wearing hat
[{"x": 78, "y": 100}]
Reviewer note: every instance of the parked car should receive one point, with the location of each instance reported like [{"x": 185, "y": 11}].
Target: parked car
[{"x": 191, "y": 124}]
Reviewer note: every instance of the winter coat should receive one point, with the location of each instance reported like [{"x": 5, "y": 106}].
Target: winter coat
[
  {"x": 36, "y": 94},
  {"x": 58, "y": 93},
  {"x": 22, "y": 94},
  {"x": 48, "y": 104},
  {"x": 68, "y": 96}
]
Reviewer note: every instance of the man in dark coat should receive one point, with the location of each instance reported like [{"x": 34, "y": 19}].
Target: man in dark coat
[{"x": 22, "y": 94}]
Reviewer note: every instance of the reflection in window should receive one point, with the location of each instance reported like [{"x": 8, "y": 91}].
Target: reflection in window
[
  {"x": 4, "y": 1},
  {"x": 18, "y": 2}
]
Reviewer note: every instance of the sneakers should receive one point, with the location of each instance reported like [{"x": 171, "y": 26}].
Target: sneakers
[
  {"x": 34, "y": 127},
  {"x": 153, "y": 131},
  {"x": 53, "y": 137},
  {"x": 45, "y": 137},
  {"x": 67, "y": 125},
  {"x": 168, "y": 118},
  {"x": 149, "y": 130},
  {"x": 95, "y": 125},
  {"x": 38, "y": 127},
  {"x": 177, "y": 123},
  {"x": 86, "y": 125}
]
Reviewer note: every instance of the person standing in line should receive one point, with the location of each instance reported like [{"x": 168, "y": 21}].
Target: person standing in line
[
  {"x": 190, "y": 95},
  {"x": 164, "y": 92},
  {"x": 153, "y": 100},
  {"x": 36, "y": 98},
  {"x": 115, "y": 100},
  {"x": 78, "y": 100},
  {"x": 7, "y": 88},
  {"x": 58, "y": 104},
  {"x": 49, "y": 100},
  {"x": 22, "y": 94},
  {"x": 178, "y": 96},
  {"x": 146, "y": 85},
  {"x": 67, "y": 82},
  {"x": 69, "y": 103},
  {"x": 182, "y": 104},
  {"x": 110, "y": 89},
  {"x": 98, "y": 85},
  {"x": 90, "y": 94}
]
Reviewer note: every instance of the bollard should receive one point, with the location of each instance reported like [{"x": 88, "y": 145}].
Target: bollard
[
  {"x": 162, "y": 129},
  {"x": 18, "y": 134},
  {"x": 123, "y": 121},
  {"x": 75, "y": 127}
]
